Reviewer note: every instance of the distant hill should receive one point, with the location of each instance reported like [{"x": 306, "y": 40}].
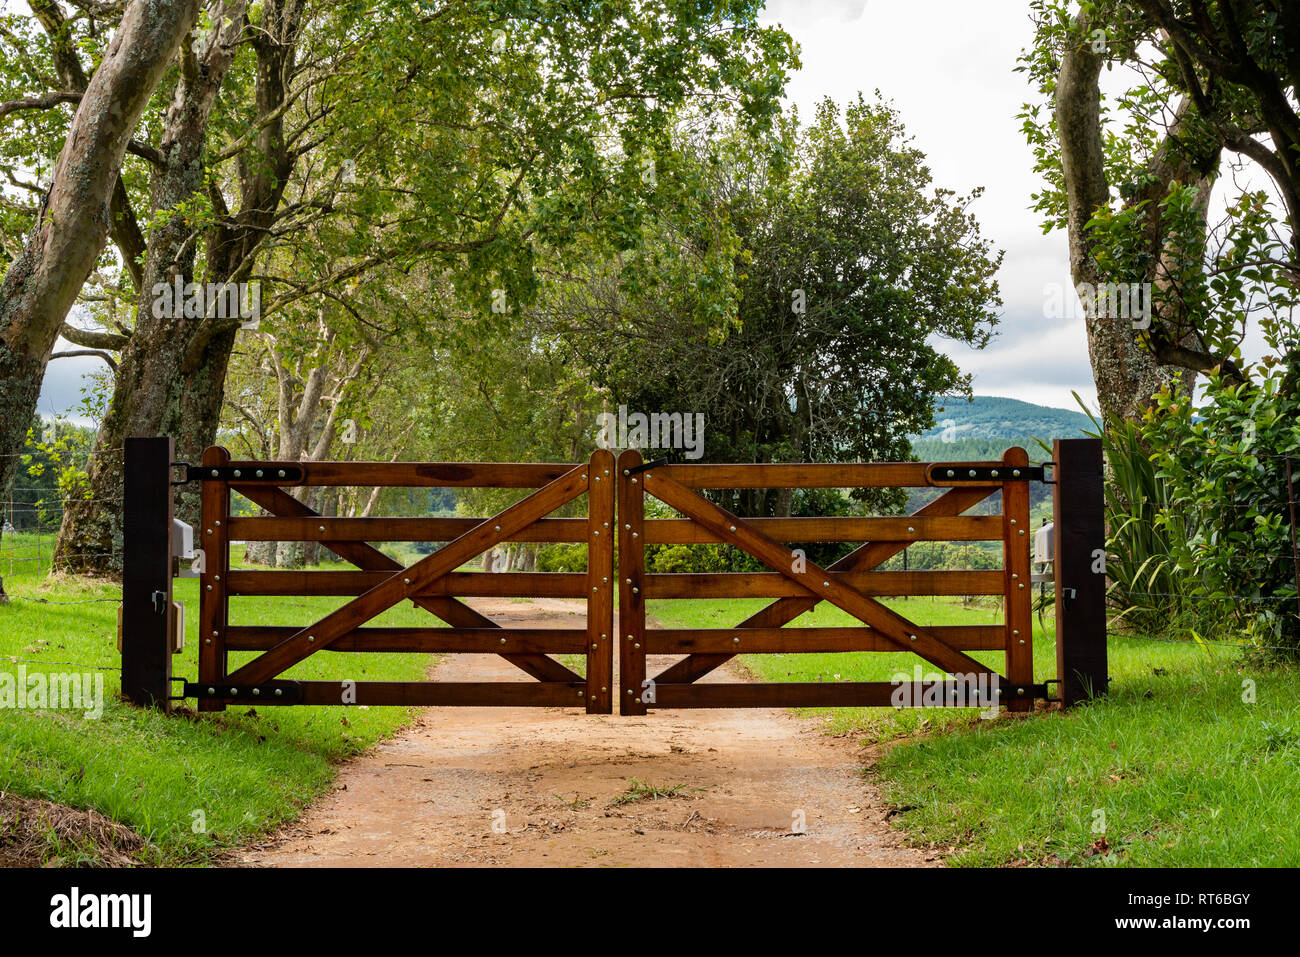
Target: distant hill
[
  {"x": 982, "y": 429},
  {"x": 1008, "y": 421}
]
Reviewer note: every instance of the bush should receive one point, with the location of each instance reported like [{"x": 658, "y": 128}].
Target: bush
[
  {"x": 668, "y": 559},
  {"x": 1146, "y": 529},
  {"x": 1223, "y": 465},
  {"x": 562, "y": 557}
]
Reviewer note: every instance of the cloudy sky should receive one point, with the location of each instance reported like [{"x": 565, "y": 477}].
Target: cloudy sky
[{"x": 948, "y": 67}]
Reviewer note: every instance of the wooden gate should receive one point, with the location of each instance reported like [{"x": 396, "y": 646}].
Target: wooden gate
[
  {"x": 436, "y": 583},
  {"x": 852, "y": 584},
  {"x": 379, "y": 582}
]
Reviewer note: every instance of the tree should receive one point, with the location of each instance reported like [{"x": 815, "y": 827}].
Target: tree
[
  {"x": 460, "y": 140},
  {"x": 72, "y": 222},
  {"x": 849, "y": 264},
  {"x": 1131, "y": 176}
]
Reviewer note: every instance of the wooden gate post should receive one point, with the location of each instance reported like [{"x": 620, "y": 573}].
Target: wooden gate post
[
  {"x": 1080, "y": 569},
  {"x": 147, "y": 571}
]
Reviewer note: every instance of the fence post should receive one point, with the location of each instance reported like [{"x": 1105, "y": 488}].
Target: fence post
[
  {"x": 1080, "y": 570},
  {"x": 147, "y": 571}
]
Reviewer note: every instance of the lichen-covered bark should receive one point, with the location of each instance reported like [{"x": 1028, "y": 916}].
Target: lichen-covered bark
[
  {"x": 171, "y": 379},
  {"x": 1126, "y": 375},
  {"x": 21, "y": 378},
  {"x": 43, "y": 281}
]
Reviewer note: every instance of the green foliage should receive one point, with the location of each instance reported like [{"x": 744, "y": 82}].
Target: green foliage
[
  {"x": 1223, "y": 466},
  {"x": 851, "y": 264},
  {"x": 1144, "y": 531},
  {"x": 937, "y": 556},
  {"x": 1174, "y": 106},
  {"x": 52, "y": 470},
  {"x": 562, "y": 557}
]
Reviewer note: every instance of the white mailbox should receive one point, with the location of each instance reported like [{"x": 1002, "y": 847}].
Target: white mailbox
[
  {"x": 1045, "y": 544},
  {"x": 182, "y": 540}
]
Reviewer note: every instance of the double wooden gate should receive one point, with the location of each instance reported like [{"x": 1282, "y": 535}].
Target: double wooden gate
[{"x": 438, "y": 582}]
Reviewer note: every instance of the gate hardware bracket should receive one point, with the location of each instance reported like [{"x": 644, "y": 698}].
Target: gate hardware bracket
[
  {"x": 1009, "y": 691},
  {"x": 269, "y": 692},
  {"x": 177, "y": 697},
  {"x": 959, "y": 473},
  {"x": 188, "y": 476},
  {"x": 273, "y": 474},
  {"x": 1051, "y": 681},
  {"x": 646, "y": 466}
]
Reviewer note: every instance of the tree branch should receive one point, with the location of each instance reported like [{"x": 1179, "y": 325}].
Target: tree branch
[
  {"x": 85, "y": 352},
  {"x": 92, "y": 339}
]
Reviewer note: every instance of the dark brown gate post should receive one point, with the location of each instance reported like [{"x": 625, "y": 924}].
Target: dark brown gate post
[
  {"x": 147, "y": 571},
  {"x": 1080, "y": 569}
]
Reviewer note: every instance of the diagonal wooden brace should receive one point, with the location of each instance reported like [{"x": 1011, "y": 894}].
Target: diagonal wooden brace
[
  {"x": 903, "y": 633},
  {"x": 368, "y": 558},
  {"x": 409, "y": 582},
  {"x": 785, "y": 610}
]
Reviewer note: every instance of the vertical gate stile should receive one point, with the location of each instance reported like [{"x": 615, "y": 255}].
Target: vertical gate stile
[
  {"x": 1018, "y": 614},
  {"x": 600, "y": 582},
  {"x": 213, "y": 598},
  {"x": 631, "y": 575}
]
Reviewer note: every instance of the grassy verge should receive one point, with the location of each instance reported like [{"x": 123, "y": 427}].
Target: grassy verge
[
  {"x": 190, "y": 787},
  {"x": 1180, "y": 766}
]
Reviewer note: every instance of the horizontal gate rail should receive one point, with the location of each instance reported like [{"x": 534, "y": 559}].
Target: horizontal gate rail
[
  {"x": 973, "y": 528},
  {"x": 386, "y": 474},
  {"x": 774, "y": 585},
  {"x": 677, "y": 641},
  {"x": 839, "y": 694},
  {"x": 879, "y": 694},
  {"x": 395, "y": 529},
  {"x": 470, "y": 584},
  {"x": 551, "y": 694},
  {"x": 989, "y": 475},
  {"x": 425, "y": 640}
]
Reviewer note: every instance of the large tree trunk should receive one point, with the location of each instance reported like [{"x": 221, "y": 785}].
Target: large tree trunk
[
  {"x": 178, "y": 389},
  {"x": 1127, "y": 372},
  {"x": 1126, "y": 375},
  {"x": 43, "y": 281},
  {"x": 172, "y": 369}
]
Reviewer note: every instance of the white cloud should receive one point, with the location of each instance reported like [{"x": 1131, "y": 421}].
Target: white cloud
[{"x": 948, "y": 66}]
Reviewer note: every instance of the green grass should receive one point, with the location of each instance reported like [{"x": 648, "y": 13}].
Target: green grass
[
  {"x": 1187, "y": 773},
  {"x": 247, "y": 770}
]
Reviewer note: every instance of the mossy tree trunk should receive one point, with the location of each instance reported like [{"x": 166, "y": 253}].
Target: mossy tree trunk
[{"x": 42, "y": 283}]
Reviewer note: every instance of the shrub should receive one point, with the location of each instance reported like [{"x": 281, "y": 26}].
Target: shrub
[
  {"x": 562, "y": 557},
  {"x": 1223, "y": 463}
]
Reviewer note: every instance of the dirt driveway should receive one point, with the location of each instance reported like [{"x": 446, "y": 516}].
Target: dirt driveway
[{"x": 527, "y": 787}]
